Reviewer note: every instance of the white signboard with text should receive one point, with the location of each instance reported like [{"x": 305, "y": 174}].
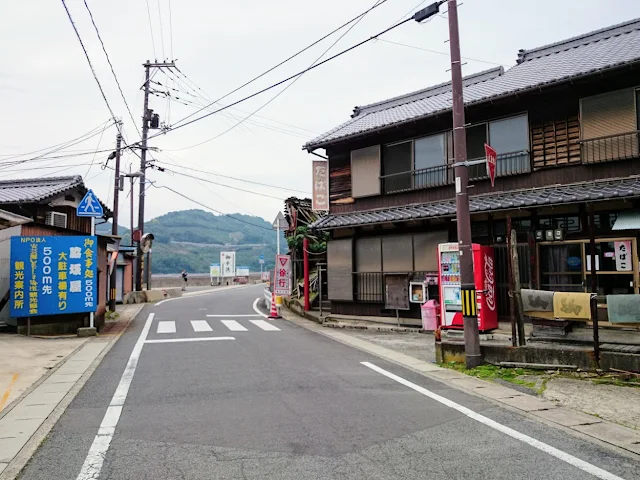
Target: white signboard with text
[
  {"x": 283, "y": 275},
  {"x": 228, "y": 264},
  {"x": 242, "y": 271},
  {"x": 320, "y": 198}
]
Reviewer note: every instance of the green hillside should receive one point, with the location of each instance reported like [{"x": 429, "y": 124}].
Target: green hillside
[{"x": 193, "y": 239}]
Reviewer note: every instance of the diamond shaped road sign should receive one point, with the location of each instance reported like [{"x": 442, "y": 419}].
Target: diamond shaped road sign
[{"x": 90, "y": 206}]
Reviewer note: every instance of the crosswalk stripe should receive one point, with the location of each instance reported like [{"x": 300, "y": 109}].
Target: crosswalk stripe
[
  {"x": 201, "y": 326},
  {"x": 167, "y": 327},
  {"x": 264, "y": 325},
  {"x": 233, "y": 326}
]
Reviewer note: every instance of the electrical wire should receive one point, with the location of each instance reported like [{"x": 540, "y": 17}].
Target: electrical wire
[
  {"x": 62, "y": 145},
  {"x": 235, "y": 178},
  {"x": 95, "y": 76},
  {"x": 288, "y": 59},
  {"x": 208, "y": 98},
  {"x": 46, "y": 167},
  {"x": 437, "y": 52},
  {"x": 248, "y": 97},
  {"x": 161, "y": 30},
  {"x": 170, "y": 29},
  {"x": 94, "y": 154},
  {"x": 153, "y": 42},
  {"x": 289, "y": 85},
  {"x": 223, "y": 185},
  {"x": 115, "y": 77},
  {"x": 208, "y": 207}
]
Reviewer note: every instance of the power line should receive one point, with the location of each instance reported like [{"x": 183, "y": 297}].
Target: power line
[
  {"x": 61, "y": 145},
  {"x": 153, "y": 42},
  {"x": 46, "y": 167},
  {"x": 437, "y": 52},
  {"x": 89, "y": 61},
  {"x": 115, "y": 77},
  {"x": 236, "y": 178},
  {"x": 161, "y": 29},
  {"x": 94, "y": 155},
  {"x": 333, "y": 57},
  {"x": 209, "y": 208},
  {"x": 378, "y": 2},
  {"x": 287, "y": 59},
  {"x": 223, "y": 185},
  {"x": 170, "y": 29},
  {"x": 208, "y": 98}
]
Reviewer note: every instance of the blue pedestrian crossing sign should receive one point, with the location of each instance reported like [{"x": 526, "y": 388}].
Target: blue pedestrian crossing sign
[{"x": 90, "y": 206}]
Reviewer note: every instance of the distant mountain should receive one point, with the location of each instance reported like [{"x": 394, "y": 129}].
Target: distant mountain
[{"x": 193, "y": 239}]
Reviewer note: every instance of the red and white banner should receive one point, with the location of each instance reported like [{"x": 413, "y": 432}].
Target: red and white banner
[
  {"x": 320, "y": 198},
  {"x": 282, "y": 284},
  {"x": 492, "y": 158}
]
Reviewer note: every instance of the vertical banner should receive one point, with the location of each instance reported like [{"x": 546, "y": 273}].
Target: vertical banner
[
  {"x": 53, "y": 275},
  {"x": 320, "y": 185},
  {"x": 283, "y": 275},
  {"x": 492, "y": 159},
  {"x": 623, "y": 256},
  {"x": 228, "y": 264}
]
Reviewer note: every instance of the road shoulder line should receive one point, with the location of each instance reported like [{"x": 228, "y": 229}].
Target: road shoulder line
[
  {"x": 32, "y": 444},
  {"x": 624, "y": 439}
]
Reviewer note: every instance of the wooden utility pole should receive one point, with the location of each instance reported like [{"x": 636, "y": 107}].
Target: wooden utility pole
[
  {"x": 146, "y": 120},
  {"x": 473, "y": 354},
  {"x": 114, "y": 225}
]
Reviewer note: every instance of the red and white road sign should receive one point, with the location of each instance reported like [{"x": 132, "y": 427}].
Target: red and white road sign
[
  {"x": 282, "y": 282},
  {"x": 492, "y": 156}
]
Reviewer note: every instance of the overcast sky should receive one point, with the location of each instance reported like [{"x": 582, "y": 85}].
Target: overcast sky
[{"x": 48, "y": 94}]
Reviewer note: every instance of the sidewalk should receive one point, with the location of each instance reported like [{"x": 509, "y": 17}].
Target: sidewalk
[
  {"x": 53, "y": 372},
  {"x": 561, "y": 405}
]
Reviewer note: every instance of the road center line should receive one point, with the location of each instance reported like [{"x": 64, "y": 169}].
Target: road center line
[
  {"x": 180, "y": 340},
  {"x": 554, "y": 452},
  {"x": 98, "y": 450}
]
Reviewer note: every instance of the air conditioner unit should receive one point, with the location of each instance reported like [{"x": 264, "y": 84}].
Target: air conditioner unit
[{"x": 56, "y": 219}]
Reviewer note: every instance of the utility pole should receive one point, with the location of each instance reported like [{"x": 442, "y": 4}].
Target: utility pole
[
  {"x": 114, "y": 225},
  {"x": 473, "y": 354},
  {"x": 147, "y": 120}
]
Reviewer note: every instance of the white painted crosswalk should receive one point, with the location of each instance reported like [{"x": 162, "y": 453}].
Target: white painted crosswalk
[{"x": 203, "y": 326}]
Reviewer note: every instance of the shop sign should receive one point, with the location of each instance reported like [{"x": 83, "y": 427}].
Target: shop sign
[
  {"x": 623, "y": 256},
  {"x": 320, "y": 177}
]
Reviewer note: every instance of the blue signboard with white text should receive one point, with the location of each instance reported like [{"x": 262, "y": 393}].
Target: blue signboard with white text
[{"x": 53, "y": 275}]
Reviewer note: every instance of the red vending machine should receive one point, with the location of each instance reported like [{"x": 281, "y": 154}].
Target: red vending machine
[{"x": 449, "y": 282}]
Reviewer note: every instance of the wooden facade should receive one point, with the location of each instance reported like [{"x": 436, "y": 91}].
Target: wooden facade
[{"x": 557, "y": 157}]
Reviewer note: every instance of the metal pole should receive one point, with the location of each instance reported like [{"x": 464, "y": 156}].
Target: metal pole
[
  {"x": 143, "y": 167},
  {"x": 93, "y": 232},
  {"x": 473, "y": 355},
  {"x": 278, "y": 237},
  {"x": 320, "y": 288},
  {"x": 510, "y": 286},
  {"x": 305, "y": 252},
  {"x": 594, "y": 287},
  {"x": 149, "y": 270},
  {"x": 114, "y": 225},
  {"x": 133, "y": 266}
]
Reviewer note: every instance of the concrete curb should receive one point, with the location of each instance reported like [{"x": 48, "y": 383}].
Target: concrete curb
[
  {"x": 581, "y": 424},
  {"x": 16, "y": 465}
]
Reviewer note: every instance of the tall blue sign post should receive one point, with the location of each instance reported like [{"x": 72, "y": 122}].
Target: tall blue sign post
[{"x": 91, "y": 207}]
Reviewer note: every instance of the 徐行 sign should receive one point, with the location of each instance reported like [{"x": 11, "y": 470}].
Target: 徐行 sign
[{"x": 53, "y": 275}]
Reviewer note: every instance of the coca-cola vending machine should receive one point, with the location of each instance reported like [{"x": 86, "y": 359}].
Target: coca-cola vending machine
[{"x": 449, "y": 281}]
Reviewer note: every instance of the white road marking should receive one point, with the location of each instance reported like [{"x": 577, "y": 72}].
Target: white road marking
[
  {"x": 264, "y": 325},
  {"x": 167, "y": 327},
  {"x": 198, "y": 294},
  {"x": 554, "y": 452},
  {"x": 257, "y": 310},
  {"x": 233, "y": 326},
  {"x": 234, "y": 316},
  {"x": 197, "y": 339},
  {"x": 201, "y": 326},
  {"x": 98, "y": 450}
]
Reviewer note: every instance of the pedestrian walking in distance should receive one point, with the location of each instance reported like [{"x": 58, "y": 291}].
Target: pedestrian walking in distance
[{"x": 184, "y": 279}]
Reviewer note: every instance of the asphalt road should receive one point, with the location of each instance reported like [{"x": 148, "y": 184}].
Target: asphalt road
[{"x": 288, "y": 404}]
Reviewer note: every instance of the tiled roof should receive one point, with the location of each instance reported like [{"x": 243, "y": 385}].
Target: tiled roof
[
  {"x": 559, "y": 62},
  {"x": 36, "y": 190},
  {"x": 490, "y": 202}
]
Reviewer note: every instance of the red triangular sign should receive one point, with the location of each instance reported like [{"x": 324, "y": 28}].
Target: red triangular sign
[{"x": 283, "y": 261}]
